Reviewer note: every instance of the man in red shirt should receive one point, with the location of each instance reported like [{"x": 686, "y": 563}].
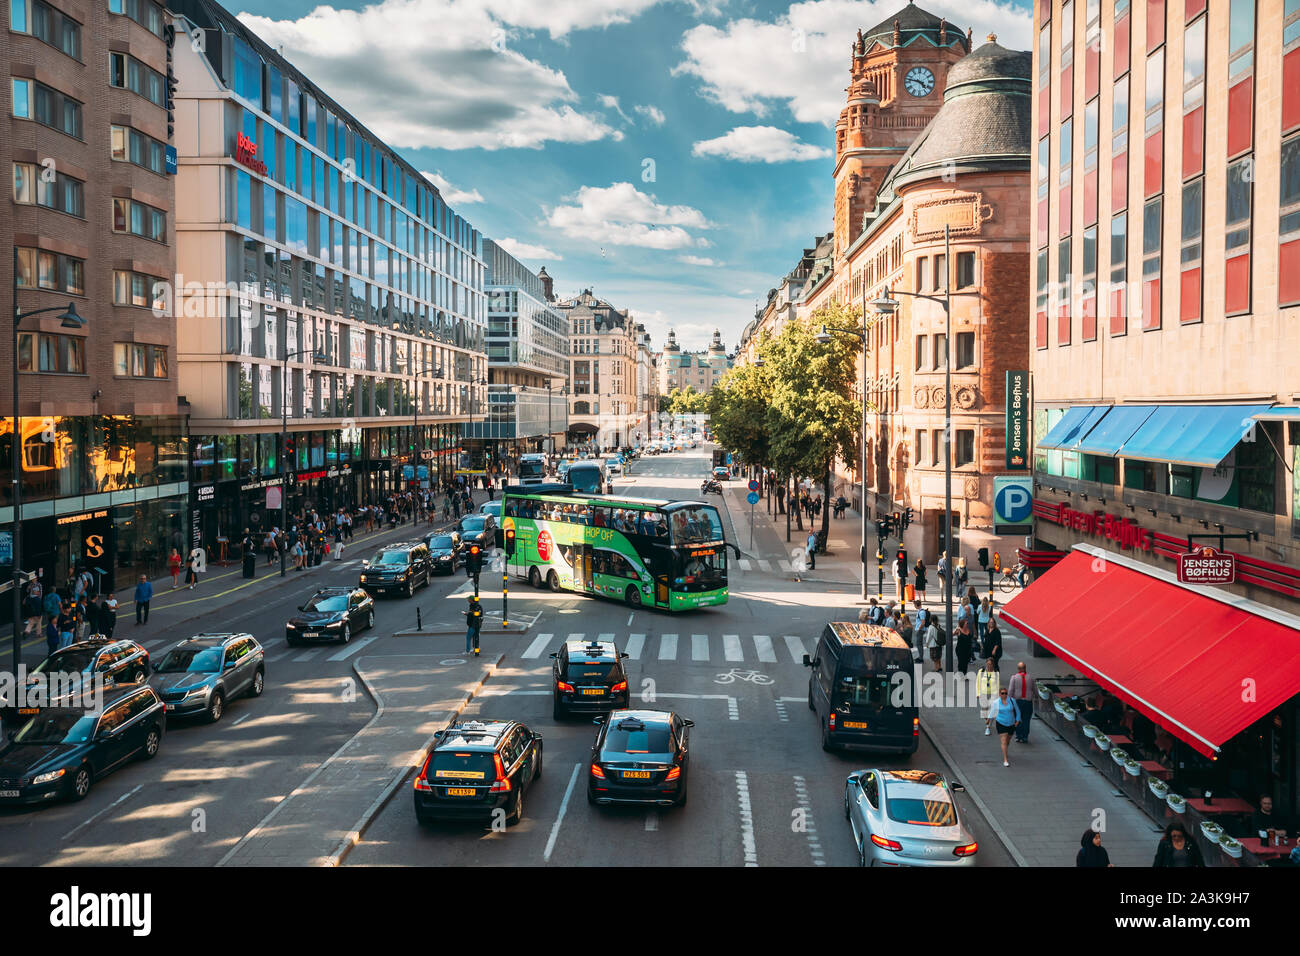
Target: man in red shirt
[{"x": 1020, "y": 688}]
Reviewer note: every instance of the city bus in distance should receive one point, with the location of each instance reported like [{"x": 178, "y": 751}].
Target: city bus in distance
[
  {"x": 532, "y": 469},
  {"x": 642, "y": 551}
]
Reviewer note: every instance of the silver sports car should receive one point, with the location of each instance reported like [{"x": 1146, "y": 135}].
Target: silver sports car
[{"x": 906, "y": 818}]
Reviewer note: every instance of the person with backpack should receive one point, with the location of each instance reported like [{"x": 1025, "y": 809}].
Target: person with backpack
[{"x": 473, "y": 624}]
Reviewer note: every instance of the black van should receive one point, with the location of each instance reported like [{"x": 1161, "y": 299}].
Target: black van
[{"x": 851, "y": 691}]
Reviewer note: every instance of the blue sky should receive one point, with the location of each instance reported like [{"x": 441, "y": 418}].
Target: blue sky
[{"x": 673, "y": 155}]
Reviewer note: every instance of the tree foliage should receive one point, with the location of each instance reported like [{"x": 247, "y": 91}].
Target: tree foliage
[
  {"x": 687, "y": 401},
  {"x": 738, "y": 412}
]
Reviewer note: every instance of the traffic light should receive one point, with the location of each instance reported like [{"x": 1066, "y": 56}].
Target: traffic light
[
  {"x": 907, "y": 517},
  {"x": 984, "y": 557},
  {"x": 510, "y": 540},
  {"x": 902, "y": 555},
  {"x": 475, "y": 561},
  {"x": 882, "y": 527},
  {"x": 897, "y": 523}
]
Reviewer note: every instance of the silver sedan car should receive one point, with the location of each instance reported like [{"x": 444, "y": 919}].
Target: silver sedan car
[{"x": 906, "y": 818}]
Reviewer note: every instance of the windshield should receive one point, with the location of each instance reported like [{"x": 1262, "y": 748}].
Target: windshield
[
  {"x": 396, "y": 558},
  {"x": 701, "y": 569},
  {"x": 442, "y": 542},
  {"x": 651, "y": 739},
  {"x": 332, "y": 602},
  {"x": 57, "y": 727},
  {"x": 193, "y": 660},
  {"x": 474, "y": 523},
  {"x": 69, "y": 662},
  {"x": 586, "y": 479},
  {"x": 864, "y": 689},
  {"x": 531, "y": 469},
  {"x": 694, "y": 524},
  {"x": 928, "y": 809},
  {"x": 583, "y": 670}
]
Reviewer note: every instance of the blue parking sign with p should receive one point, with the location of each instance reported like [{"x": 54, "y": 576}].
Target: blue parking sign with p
[{"x": 1013, "y": 500}]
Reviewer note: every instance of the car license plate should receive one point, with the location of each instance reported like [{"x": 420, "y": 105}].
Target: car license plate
[
  {"x": 310, "y": 634},
  {"x": 855, "y": 725},
  {"x": 8, "y": 793},
  {"x": 636, "y": 774},
  {"x": 461, "y": 791},
  {"x": 171, "y": 706},
  {"x": 593, "y": 691}
]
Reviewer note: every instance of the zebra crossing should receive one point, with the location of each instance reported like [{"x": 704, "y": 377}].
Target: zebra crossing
[{"x": 694, "y": 648}]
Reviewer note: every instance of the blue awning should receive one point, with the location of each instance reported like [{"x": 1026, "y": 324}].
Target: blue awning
[
  {"x": 1196, "y": 435},
  {"x": 1278, "y": 413},
  {"x": 1073, "y": 426},
  {"x": 1115, "y": 428}
]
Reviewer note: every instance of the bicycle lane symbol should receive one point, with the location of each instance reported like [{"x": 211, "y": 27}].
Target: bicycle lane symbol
[{"x": 746, "y": 676}]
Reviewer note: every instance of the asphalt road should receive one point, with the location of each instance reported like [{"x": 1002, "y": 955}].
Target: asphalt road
[{"x": 762, "y": 791}]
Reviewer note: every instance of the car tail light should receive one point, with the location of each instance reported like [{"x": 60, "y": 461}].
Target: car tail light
[
  {"x": 620, "y": 686},
  {"x": 830, "y": 724},
  {"x": 916, "y": 726},
  {"x": 674, "y": 773},
  {"x": 597, "y": 772},
  {"x": 969, "y": 849},
  {"x": 422, "y": 784},
  {"x": 563, "y": 688},
  {"x": 502, "y": 782},
  {"x": 886, "y": 843}
]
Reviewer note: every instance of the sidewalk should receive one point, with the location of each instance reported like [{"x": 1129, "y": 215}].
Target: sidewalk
[
  {"x": 1043, "y": 802},
  {"x": 840, "y": 567}
]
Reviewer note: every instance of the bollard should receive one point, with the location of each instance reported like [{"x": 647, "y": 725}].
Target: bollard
[
  {"x": 419, "y": 625},
  {"x": 505, "y": 600}
]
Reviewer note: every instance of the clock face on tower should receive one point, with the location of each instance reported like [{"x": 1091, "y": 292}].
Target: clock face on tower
[{"x": 919, "y": 81}]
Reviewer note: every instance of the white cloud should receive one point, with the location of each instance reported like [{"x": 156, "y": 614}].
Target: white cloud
[
  {"x": 560, "y": 17},
  {"x": 804, "y": 52},
  {"x": 441, "y": 74},
  {"x": 622, "y": 215},
  {"x": 611, "y": 103},
  {"x": 745, "y": 292},
  {"x": 698, "y": 261},
  {"x": 759, "y": 144},
  {"x": 653, "y": 113},
  {"x": 457, "y": 197},
  {"x": 526, "y": 250}
]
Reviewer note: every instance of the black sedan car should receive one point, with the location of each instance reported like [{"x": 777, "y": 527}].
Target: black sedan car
[
  {"x": 476, "y": 768},
  {"x": 640, "y": 756},
  {"x": 63, "y": 750},
  {"x": 397, "y": 567},
  {"x": 70, "y": 673},
  {"x": 444, "y": 551},
  {"x": 200, "y": 674},
  {"x": 588, "y": 676},
  {"x": 332, "y": 614},
  {"x": 478, "y": 529}
]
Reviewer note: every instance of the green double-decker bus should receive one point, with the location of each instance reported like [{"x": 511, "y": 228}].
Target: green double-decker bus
[{"x": 642, "y": 551}]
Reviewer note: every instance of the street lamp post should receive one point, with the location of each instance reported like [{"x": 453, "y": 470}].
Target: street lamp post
[
  {"x": 70, "y": 320},
  {"x": 284, "y": 440},
  {"x": 419, "y": 395}
]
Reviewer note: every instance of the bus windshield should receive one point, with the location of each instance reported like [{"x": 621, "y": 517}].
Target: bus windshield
[
  {"x": 695, "y": 524},
  {"x": 531, "y": 468}
]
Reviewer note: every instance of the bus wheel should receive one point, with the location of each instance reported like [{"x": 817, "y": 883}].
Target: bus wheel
[
  {"x": 553, "y": 581},
  {"x": 534, "y": 577},
  {"x": 633, "y": 596}
]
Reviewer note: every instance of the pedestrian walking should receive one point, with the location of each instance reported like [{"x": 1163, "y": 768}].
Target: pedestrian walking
[
  {"x": 67, "y": 624},
  {"x": 174, "y": 566},
  {"x": 919, "y": 571},
  {"x": 197, "y": 560},
  {"x": 987, "y": 682},
  {"x": 900, "y": 577},
  {"x": 812, "y": 550},
  {"x": 943, "y": 572},
  {"x": 964, "y": 645},
  {"x": 983, "y": 617},
  {"x": 32, "y": 607},
  {"x": 473, "y": 624},
  {"x": 903, "y": 625},
  {"x": 993, "y": 642},
  {"x": 1177, "y": 849},
  {"x": 962, "y": 575},
  {"x": 933, "y": 642},
  {"x": 1020, "y": 687},
  {"x": 143, "y": 595},
  {"x": 875, "y": 614},
  {"x": 52, "y": 605},
  {"x": 1091, "y": 853},
  {"x": 108, "y": 616},
  {"x": 1005, "y": 717}
]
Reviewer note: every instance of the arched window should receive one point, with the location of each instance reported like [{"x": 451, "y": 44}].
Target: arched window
[{"x": 581, "y": 408}]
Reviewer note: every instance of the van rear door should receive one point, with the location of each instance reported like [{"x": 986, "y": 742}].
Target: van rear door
[{"x": 866, "y": 703}]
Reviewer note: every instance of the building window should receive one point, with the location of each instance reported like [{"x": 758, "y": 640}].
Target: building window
[
  {"x": 1065, "y": 291},
  {"x": 49, "y": 107},
  {"x": 922, "y": 447},
  {"x": 963, "y": 448},
  {"x": 38, "y": 269},
  {"x": 965, "y": 270},
  {"x": 1237, "y": 236},
  {"x": 46, "y": 24},
  {"x": 138, "y": 219},
  {"x": 1044, "y": 165},
  {"x": 1257, "y": 471},
  {"x": 1088, "y": 288},
  {"x": 1289, "y": 225},
  {"x": 921, "y": 351},
  {"x": 922, "y": 264},
  {"x": 1241, "y": 37},
  {"x": 43, "y": 187},
  {"x": 139, "y": 361},
  {"x": 142, "y": 291},
  {"x": 144, "y": 12},
  {"x": 965, "y": 349},
  {"x": 1119, "y": 273},
  {"x": 940, "y": 351},
  {"x": 128, "y": 73},
  {"x": 1189, "y": 308},
  {"x": 131, "y": 146},
  {"x": 941, "y": 273},
  {"x": 1040, "y": 312},
  {"x": 45, "y": 352}
]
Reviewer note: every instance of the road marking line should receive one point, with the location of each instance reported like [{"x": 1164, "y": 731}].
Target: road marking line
[
  {"x": 514, "y": 692},
  {"x": 604, "y": 637},
  {"x": 90, "y": 819},
  {"x": 651, "y": 821},
  {"x": 747, "y": 841},
  {"x": 795, "y": 644},
  {"x": 731, "y": 648},
  {"x": 763, "y": 645},
  {"x": 539, "y": 644},
  {"x": 272, "y": 658},
  {"x": 810, "y": 825},
  {"x": 629, "y": 619},
  {"x": 781, "y": 712},
  {"x": 699, "y": 647},
  {"x": 307, "y": 656},
  {"x": 764, "y": 564},
  {"x": 564, "y": 806},
  {"x": 668, "y": 647},
  {"x": 241, "y": 720},
  {"x": 785, "y": 565},
  {"x": 634, "y": 644},
  {"x": 744, "y": 564},
  {"x": 352, "y": 648}
]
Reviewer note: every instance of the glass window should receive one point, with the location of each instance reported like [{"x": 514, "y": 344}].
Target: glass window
[
  {"x": 1192, "y": 206},
  {"x": 1194, "y": 64},
  {"x": 940, "y": 351},
  {"x": 965, "y": 349},
  {"x": 1152, "y": 224},
  {"x": 1119, "y": 115},
  {"x": 1155, "y": 102},
  {"x": 1290, "y": 189},
  {"x": 1238, "y": 212},
  {"x": 22, "y": 106},
  {"x": 1241, "y": 36},
  {"x": 965, "y": 270},
  {"x": 922, "y": 350}
]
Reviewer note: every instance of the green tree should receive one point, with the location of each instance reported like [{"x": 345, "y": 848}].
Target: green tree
[
  {"x": 737, "y": 410},
  {"x": 687, "y": 401},
  {"x": 812, "y": 417}
]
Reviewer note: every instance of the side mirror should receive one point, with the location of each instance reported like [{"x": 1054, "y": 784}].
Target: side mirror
[
  {"x": 956, "y": 786},
  {"x": 687, "y": 723},
  {"x": 856, "y": 778},
  {"x": 302, "y": 607},
  {"x": 599, "y": 720},
  {"x": 624, "y": 654},
  {"x": 807, "y": 661},
  {"x": 537, "y": 736},
  {"x": 555, "y": 655},
  {"x": 229, "y": 665}
]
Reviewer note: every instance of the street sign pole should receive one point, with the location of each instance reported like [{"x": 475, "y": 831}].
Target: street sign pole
[{"x": 752, "y": 498}]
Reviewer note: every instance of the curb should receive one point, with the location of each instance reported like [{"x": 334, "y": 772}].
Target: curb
[
  {"x": 1001, "y": 834},
  {"x": 358, "y": 830}
]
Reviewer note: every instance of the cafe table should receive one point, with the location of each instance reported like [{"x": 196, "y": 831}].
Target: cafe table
[
  {"x": 1266, "y": 851},
  {"x": 1221, "y": 806}
]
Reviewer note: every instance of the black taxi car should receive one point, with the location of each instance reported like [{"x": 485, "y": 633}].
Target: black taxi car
[
  {"x": 332, "y": 614},
  {"x": 62, "y": 751},
  {"x": 587, "y": 676},
  {"x": 640, "y": 756},
  {"x": 397, "y": 567},
  {"x": 477, "y": 767},
  {"x": 110, "y": 661}
]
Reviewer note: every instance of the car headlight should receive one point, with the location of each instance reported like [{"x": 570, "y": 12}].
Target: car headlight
[
  {"x": 333, "y": 624},
  {"x": 363, "y": 579},
  {"x": 402, "y": 576},
  {"x": 290, "y": 626},
  {"x": 47, "y": 777},
  {"x": 196, "y": 692}
]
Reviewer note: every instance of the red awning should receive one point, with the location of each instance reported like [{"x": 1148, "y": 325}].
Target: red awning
[{"x": 1202, "y": 669}]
